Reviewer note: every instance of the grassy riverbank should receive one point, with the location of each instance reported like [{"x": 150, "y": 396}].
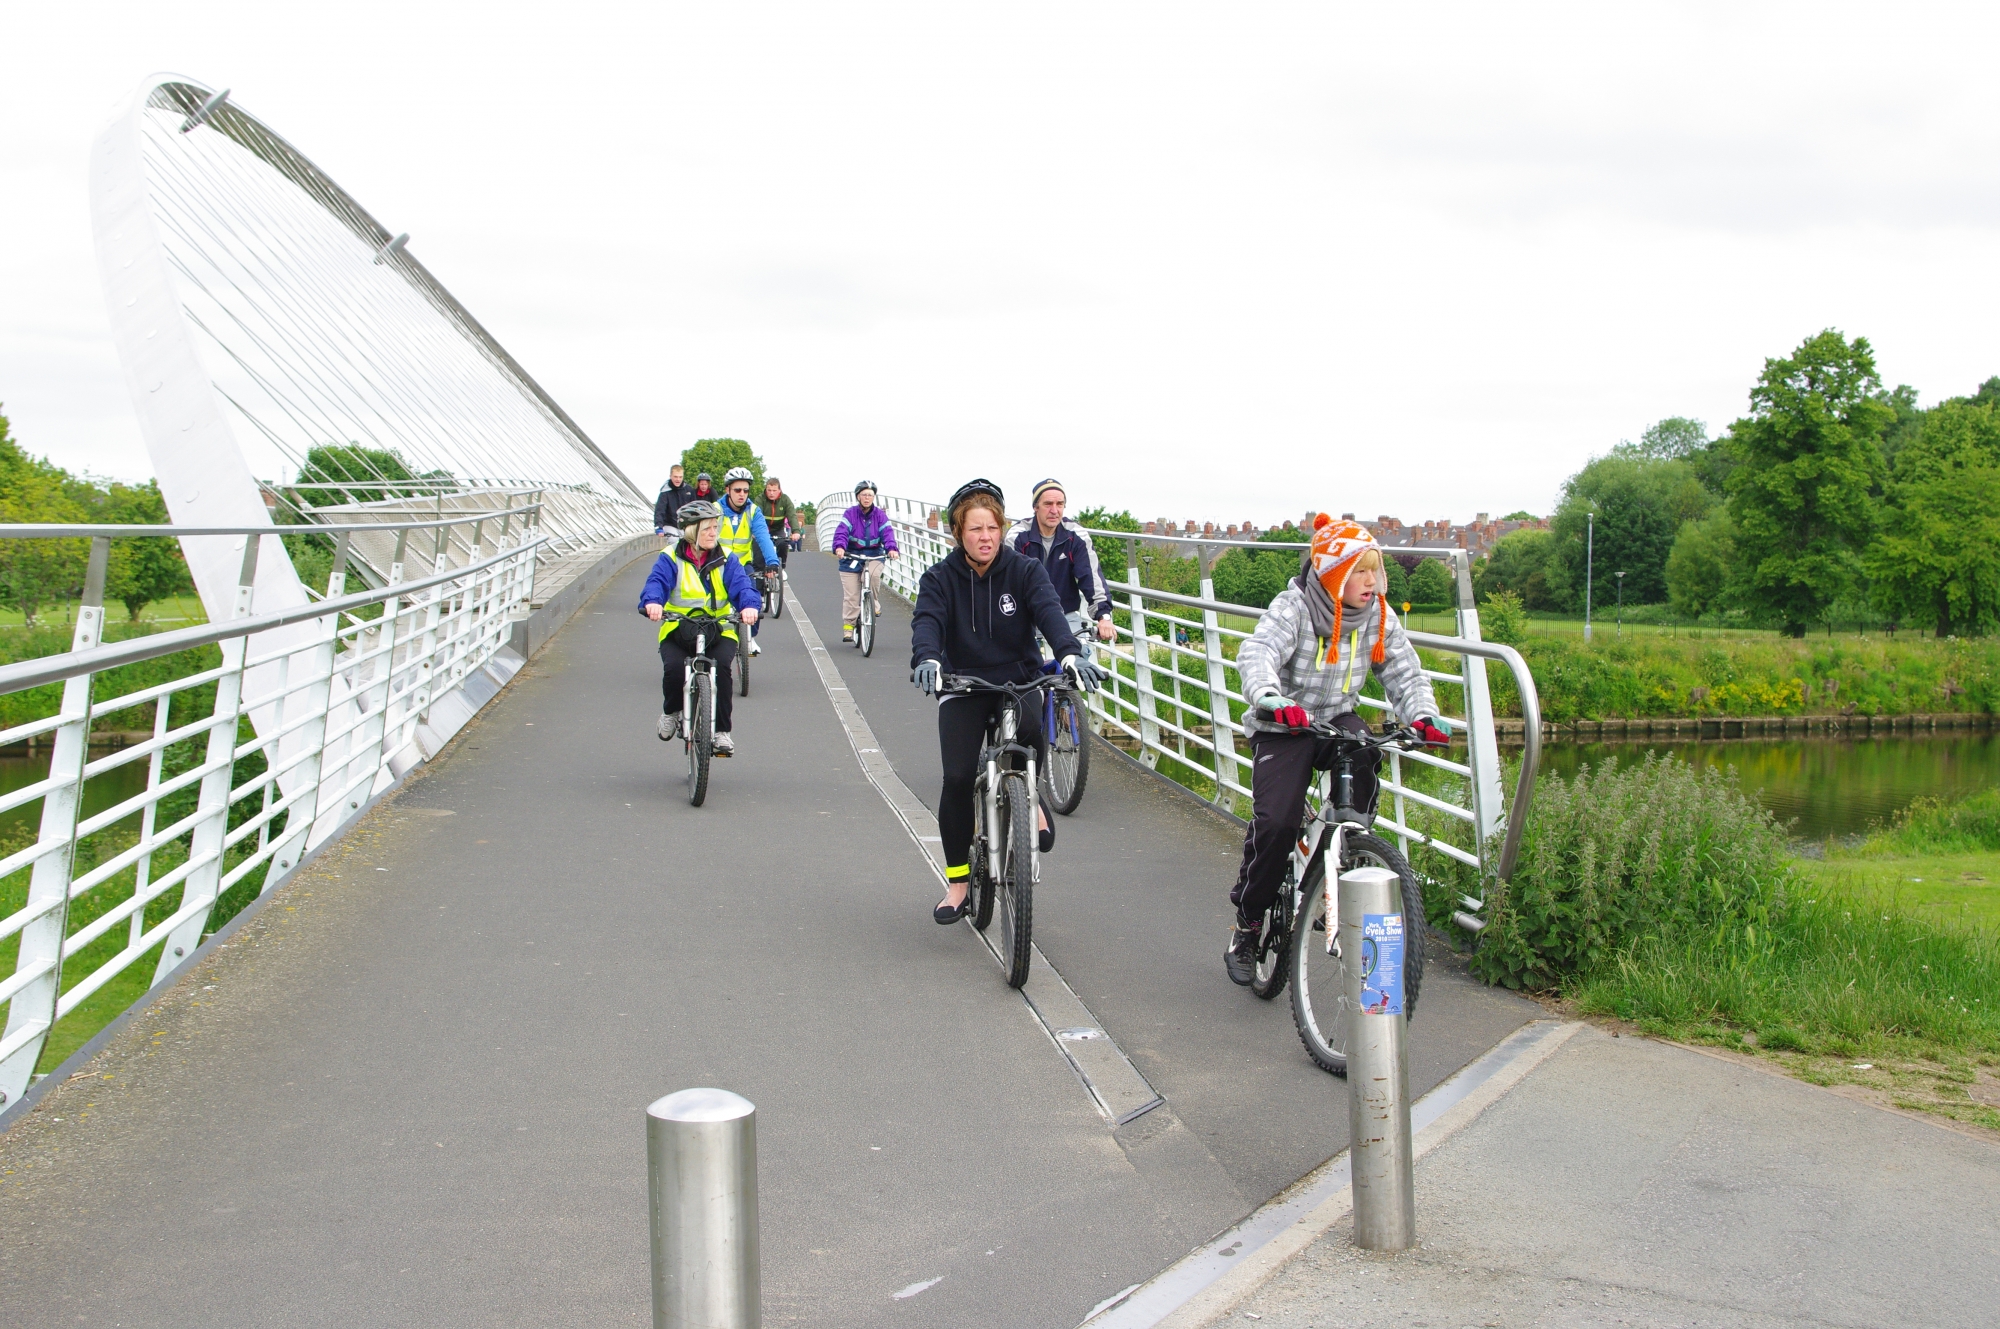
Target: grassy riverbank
[{"x": 1657, "y": 895}]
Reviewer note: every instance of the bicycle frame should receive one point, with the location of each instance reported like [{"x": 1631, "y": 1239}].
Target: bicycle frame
[
  {"x": 1337, "y": 814},
  {"x": 1000, "y": 745}
]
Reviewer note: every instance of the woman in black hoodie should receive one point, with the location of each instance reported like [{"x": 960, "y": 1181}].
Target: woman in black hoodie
[{"x": 977, "y": 611}]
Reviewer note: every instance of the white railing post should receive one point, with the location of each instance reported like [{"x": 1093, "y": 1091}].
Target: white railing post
[
  {"x": 1226, "y": 760},
  {"x": 32, "y": 1012},
  {"x": 203, "y": 882},
  {"x": 1482, "y": 742},
  {"x": 1142, "y": 663},
  {"x": 303, "y": 827}
]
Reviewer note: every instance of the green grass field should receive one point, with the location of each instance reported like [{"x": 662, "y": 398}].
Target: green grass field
[
  {"x": 1947, "y": 888},
  {"x": 177, "y": 612}
]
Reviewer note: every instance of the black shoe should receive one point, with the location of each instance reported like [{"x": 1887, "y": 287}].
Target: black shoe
[
  {"x": 1241, "y": 957},
  {"x": 1046, "y": 840},
  {"x": 947, "y": 914}
]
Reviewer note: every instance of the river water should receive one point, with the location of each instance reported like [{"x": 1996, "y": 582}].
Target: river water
[{"x": 1823, "y": 786}]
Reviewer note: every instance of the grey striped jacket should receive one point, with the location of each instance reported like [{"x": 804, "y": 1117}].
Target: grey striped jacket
[{"x": 1284, "y": 655}]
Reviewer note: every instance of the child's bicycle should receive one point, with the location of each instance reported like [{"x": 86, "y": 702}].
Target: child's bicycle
[
  {"x": 1300, "y": 943},
  {"x": 698, "y": 706},
  {"x": 1006, "y": 862}
]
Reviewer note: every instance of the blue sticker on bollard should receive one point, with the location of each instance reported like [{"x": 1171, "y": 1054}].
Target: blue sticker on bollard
[{"x": 1382, "y": 964}]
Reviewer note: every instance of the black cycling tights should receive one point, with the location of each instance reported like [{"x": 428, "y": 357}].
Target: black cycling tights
[{"x": 961, "y": 726}]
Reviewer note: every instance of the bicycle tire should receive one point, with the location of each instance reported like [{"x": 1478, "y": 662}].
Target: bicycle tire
[
  {"x": 1322, "y": 1020},
  {"x": 1274, "y": 952},
  {"x": 1017, "y": 887},
  {"x": 701, "y": 736},
  {"x": 980, "y": 883},
  {"x": 777, "y": 597},
  {"x": 865, "y": 634},
  {"x": 1069, "y": 753},
  {"x": 743, "y": 667}
]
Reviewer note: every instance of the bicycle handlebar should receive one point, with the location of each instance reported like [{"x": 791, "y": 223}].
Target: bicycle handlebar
[
  {"x": 970, "y": 683},
  {"x": 1395, "y": 735}
]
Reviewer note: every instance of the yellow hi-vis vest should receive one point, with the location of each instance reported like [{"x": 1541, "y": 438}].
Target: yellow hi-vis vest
[
  {"x": 736, "y": 535},
  {"x": 696, "y": 596}
]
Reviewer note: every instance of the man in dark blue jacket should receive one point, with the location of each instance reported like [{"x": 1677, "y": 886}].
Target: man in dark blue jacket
[{"x": 1065, "y": 552}]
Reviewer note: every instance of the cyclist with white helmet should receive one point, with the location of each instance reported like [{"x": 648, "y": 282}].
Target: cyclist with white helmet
[
  {"x": 691, "y": 589},
  {"x": 744, "y": 532},
  {"x": 861, "y": 541}
]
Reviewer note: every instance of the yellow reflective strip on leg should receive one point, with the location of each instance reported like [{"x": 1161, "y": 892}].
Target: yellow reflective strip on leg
[{"x": 954, "y": 873}]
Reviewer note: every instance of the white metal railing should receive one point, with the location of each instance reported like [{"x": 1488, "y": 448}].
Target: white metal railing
[
  {"x": 251, "y": 762},
  {"x": 1173, "y": 697}
]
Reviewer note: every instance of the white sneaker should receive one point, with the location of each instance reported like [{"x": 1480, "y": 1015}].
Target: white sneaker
[
  {"x": 670, "y": 726},
  {"x": 725, "y": 745},
  {"x": 755, "y": 649}
]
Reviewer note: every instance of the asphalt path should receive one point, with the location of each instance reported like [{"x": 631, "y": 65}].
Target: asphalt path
[
  {"x": 410, "y": 1090},
  {"x": 1133, "y": 910}
]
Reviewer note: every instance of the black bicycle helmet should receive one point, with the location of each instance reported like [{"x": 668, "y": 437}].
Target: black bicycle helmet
[
  {"x": 971, "y": 487},
  {"x": 864, "y": 484},
  {"x": 695, "y": 512}
]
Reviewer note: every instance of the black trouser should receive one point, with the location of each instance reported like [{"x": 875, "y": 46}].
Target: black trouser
[
  {"x": 962, "y": 720},
  {"x": 1281, "y": 774},
  {"x": 676, "y": 647}
]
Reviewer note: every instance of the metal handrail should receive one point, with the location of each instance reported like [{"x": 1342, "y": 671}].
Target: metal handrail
[{"x": 63, "y": 531}]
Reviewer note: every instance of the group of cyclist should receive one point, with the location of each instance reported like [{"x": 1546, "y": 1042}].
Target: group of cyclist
[{"x": 987, "y": 609}]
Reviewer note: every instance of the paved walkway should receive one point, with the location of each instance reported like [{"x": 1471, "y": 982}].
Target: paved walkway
[
  {"x": 1628, "y": 1182},
  {"x": 410, "y": 1090}
]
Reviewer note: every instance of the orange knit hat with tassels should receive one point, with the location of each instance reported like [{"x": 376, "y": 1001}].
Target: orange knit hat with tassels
[{"x": 1336, "y": 547}]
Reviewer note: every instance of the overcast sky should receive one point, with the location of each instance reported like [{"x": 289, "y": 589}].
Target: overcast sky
[{"x": 1206, "y": 261}]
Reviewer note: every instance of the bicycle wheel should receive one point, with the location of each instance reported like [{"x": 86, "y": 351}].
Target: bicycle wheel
[
  {"x": 1274, "y": 948},
  {"x": 1321, "y": 1008},
  {"x": 742, "y": 667},
  {"x": 980, "y": 879},
  {"x": 775, "y": 602},
  {"x": 1017, "y": 887},
  {"x": 865, "y": 632},
  {"x": 1069, "y": 753},
  {"x": 701, "y": 735}
]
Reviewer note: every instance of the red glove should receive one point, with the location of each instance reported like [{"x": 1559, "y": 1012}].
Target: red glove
[
  {"x": 1430, "y": 733},
  {"x": 1285, "y": 711}
]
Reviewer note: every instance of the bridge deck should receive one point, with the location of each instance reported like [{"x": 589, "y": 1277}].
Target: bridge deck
[{"x": 410, "y": 1090}]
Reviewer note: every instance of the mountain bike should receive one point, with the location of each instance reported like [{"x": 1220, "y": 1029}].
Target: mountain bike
[
  {"x": 871, "y": 606},
  {"x": 698, "y": 706},
  {"x": 1006, "y": 862},
  {"x": 1300, "y": 942}
]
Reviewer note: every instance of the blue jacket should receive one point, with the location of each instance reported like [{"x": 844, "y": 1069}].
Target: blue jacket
[
  {"x": 869, "y": 535},
  {"x": 666, "y": 574}
]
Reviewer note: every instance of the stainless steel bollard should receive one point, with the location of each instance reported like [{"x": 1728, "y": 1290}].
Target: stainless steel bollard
[
  {"x": 701, "y": 1159},
  {"x": 1378, "y": 1073}
]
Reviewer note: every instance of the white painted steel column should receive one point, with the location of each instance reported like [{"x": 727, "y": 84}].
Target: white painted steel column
[
  {"x": 1482, "y": 742},
  {"x": 201, "y": 885},
  {"x": 701, "y": 1169},
  {"x": 303, "y": 828},
  {"x": 1378, "y": 1071},
  {"x": 1226, "y": 761},
  {"x": 32, "y": 1012},
  {"x": 1142, "y": 661}
]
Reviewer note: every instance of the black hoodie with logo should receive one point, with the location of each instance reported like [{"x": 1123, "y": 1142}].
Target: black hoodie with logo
[{"x": 985, "y": 626}]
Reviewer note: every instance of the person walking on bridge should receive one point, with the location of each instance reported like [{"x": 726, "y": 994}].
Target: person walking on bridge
[
  {"x": 1067, "y": 555},
  {"x": 977, "y": 612},
  {"x": 743, "y": 531},
  {"x": 690, "y": 590},
  {"x": 861, "y": 541},
  {"x": 672, "y": 494},
  {"x": 1305, "y": 664}
]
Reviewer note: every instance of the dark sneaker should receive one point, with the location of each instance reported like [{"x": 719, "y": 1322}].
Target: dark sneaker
[{"x": 1241, "y": 957}]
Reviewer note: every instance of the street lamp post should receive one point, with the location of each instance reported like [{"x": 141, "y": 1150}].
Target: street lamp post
[
  {"x": 1589, "y": 558},
  {"x": 1621, "y": 604}
]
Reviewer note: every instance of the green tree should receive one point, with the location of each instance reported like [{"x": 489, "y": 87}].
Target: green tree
[
  {"x": 1399, "y": 581},
  {"x": 1639, "y": 503},
  {"x": 359, "y": 472},
  {"x": 1519, "y": 565},
  {"x": 1937, "y": 557},
  {"x": 1431, "y": 586},
  {"x": 1809, "y": 457},
  {"x": 33, "y": 489},
  {"x": 716, "y": 457},
  {"x": 1675, "y": 438},
  {"x": 147, "y": 569},
  {"x": 1252, "y": 576},
  {"x": 1520, "y": 514},
  {"x": 1702, "y": 564},
  {"x": 1110, "y": 549}
]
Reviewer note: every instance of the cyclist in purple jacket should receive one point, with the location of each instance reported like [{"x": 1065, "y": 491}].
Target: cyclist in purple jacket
[{"x": 862, "y": 540}]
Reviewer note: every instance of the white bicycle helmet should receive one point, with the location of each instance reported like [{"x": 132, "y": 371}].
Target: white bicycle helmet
[{"x": 737, "y": 473}]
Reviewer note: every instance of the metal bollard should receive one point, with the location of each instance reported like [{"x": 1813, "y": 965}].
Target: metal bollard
[
  {"x": 701, "y": 1162},
  {"x": 1378, "y": 1073}
]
